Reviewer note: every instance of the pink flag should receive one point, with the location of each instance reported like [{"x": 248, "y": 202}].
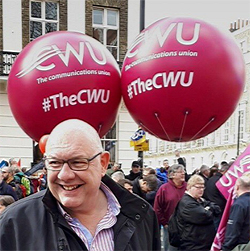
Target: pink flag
[
  {"x": 241, "y": 165},
  {"x": 220, "y": 235},
  {"x": 226, "y": 186}
]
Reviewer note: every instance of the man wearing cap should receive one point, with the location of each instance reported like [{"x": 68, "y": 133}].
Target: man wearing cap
[
  {"x": 135, "y": 171},
  {"x": 82, "y": 208}
]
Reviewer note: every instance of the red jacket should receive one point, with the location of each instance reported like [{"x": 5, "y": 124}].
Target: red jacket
[{"x": 166, "y": 200}]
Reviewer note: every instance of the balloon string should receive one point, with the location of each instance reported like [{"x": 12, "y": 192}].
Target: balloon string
[
  {"x": 210, "y": 121},
  {"x": 99, "y": 130},
  {"x": 184, "y": 122},
  {"x": 156, "y": 115},
  {"x": 141, "y": 124}
]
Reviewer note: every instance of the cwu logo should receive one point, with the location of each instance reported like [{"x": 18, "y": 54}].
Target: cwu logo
[{"x": 48, "y": 52}]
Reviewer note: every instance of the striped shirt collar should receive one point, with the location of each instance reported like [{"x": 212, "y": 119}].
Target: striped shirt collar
[
  {"x": 113, "y": 203},
  {"x": 104, "y": 236}
]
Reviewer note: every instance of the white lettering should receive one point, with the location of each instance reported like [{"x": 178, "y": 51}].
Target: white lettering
[
  {"x": 149, "y": 36},
  {"x": 79, "y": 95},
  {"x": 191, "y": 41},
  {"x": 48, "y": 52},
  {"x": 60, "y": 100},
  {"x": 158, "y": 81},
  {"x": 157, "y": 86}
]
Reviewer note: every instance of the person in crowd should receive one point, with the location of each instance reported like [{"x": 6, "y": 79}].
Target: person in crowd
[
  {"x": 162, "y": 172},
  {"x": 114, "y": 168},
  {"x": 182, "y": 161},
  {"x": 8, "y": 177},
  {"x": 15, "y": 162},
  {"x": 21, "y": 179},
  {"x": 150, "y": 196},
  {"x": 135, "y": 171},
  {"x": 126, "y": 184},
  {"x": 204, "y": 173},
  {"x": 167, "y": 198},
  {"x": 213, "y": 194},
  {"x": 213, "y": 171},
  {"x": 6, "y": 189},
  {"x": 42, "y": 180},
  {"x": 5, "y": 201},
  {"x": 82, "y": 209},
  {"x": 141, "y": 186},
  {"x": 195, "y": 171},
  {"x": 34, "y": 182},
  {"x": 238, "y": 225},
  {"x": 24, "y": 169},
  {"x": 116, "y": 176},
  {"x": 195, "y": 217},
  {"x": 242, "y": 247},
  {"x": 223, "y": 162}
]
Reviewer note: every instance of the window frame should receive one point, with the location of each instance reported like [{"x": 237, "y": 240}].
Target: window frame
[
  {"x": 105, "y": 27},
  {"x": 43, "y": 19}
]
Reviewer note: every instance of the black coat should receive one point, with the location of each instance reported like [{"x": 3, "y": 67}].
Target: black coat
[
  {"x": 132, "y": 176},
  {"x": 213, "y": 193},
  {"x": 34, "y": 223},
  {"x": 6, "y": 189},
  {"x": 196, "y": 223},
  {"x": 238, "y": 225}
]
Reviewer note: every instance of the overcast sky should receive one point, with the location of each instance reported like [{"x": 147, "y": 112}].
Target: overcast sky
[{"x": 218, "y": 12}]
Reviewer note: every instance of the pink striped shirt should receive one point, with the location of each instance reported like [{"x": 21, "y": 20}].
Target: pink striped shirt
[{"x": 104, "y": 235}]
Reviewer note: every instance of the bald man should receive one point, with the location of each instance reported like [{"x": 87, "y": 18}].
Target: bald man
[
  {"x": 82, "y": 208},
  {"x": 238, "y": 225}
]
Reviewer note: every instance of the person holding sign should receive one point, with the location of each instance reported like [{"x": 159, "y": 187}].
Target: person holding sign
[{"x": 238, "y": 225}]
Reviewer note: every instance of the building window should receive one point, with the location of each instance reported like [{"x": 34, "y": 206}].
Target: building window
[
  {"x": 242, "y": 123},
  {"x": 106, "y": 29},
  {"x": 44, "y": 18},
  {"x": 109, "y": 143},
  {"x": 226, "y": 132}
]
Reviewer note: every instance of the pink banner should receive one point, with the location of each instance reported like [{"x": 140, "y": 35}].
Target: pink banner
[
  {"x": 241, "y": 165},
  {"x": 220, "y": 235},
  {"x": 226, "y": 186}
]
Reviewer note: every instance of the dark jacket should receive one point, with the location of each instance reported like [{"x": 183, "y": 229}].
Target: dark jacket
[
  {"x": 6, "y": 189},
  {"x": 213, "y": 193},
  {"x": 34, "y": 223},
  {"x": 196, "y": 223},
  {"x": 137, "y": 188},
  {"x": 238, "y": 226},
  {"x": 132, "y": 176}
]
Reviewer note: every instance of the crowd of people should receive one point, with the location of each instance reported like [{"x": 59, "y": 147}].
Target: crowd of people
[
  {"x": 200, "y": 203},
  {"x": 15, "y": 183},
  {"x": 82, "y": 202}
]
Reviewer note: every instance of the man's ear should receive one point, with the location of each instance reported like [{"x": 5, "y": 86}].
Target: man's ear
[{"x": 104, "y": 162}]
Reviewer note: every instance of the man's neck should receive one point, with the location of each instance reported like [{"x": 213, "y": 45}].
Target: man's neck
[
  {"x": 93, "y": 213},
  {"x": 177, "y": 183},
  {"x": 243, "y": 192}
]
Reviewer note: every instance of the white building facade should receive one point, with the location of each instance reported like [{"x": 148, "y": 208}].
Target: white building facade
[{"x": 115, "y": 23}]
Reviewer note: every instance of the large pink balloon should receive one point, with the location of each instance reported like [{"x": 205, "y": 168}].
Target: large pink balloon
[
  {"x": 182, "y": 78},
  {"x": 64, "y": 75}
]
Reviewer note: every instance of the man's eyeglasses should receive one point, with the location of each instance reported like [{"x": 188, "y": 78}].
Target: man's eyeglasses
[{"x": 77, "y": 164}]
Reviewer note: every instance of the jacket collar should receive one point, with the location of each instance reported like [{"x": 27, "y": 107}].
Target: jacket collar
[{"x": 132, "y": 206}]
